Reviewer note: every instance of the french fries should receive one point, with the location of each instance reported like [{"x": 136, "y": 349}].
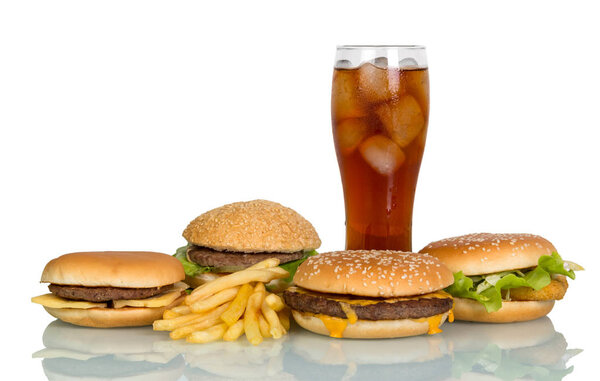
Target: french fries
[{"x": 230, "y": 306}]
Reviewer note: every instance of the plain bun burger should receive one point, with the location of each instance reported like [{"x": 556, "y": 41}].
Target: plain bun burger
[
  {"x": 370, "y": 294},
  {"x": 501, "y": 278},
  {"x": 112, "y": 289},
  {"x": 238, "y": 235}
]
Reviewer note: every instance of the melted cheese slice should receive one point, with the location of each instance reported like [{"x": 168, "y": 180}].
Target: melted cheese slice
[
  {"x": 160, "y": 300},
  {"x": 334, "y": 325},
  {"x": 53, "y": 301}
]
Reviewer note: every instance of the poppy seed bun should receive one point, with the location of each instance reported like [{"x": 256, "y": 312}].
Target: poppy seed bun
[
  {"x": 486, "y": 253},
  {"x": 367, "y": 329},
  {"x": 511, "y": 311},
  {"x": 129, "y": 269},
  {"x": 112, "y": 317},
  {"x": 253, "y": 227},
  {"x": 373, "y": 273}
]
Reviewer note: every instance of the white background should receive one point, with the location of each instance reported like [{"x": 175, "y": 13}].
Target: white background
[{"x": 123, "y": 120}]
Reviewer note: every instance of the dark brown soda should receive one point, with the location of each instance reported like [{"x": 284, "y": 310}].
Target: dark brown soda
[{"x": 379, "y": 118}]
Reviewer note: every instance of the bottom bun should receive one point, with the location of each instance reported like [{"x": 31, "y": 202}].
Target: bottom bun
[
  {"x": 367, "y": 329},
  {"x": 471, "y": 310},
  {"x": 112, "y": 317}
]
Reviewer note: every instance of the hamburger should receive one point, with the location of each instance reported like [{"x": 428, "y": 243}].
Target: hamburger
[
  {"x": 501, "y": 278},
  {"x": 112, "y": 289},
  {"x": 236, "y": 236},
  {"x": 370, "y": 294},
  {"x": 82, "y": 353}
]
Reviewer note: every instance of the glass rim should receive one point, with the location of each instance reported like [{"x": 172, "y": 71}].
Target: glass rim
[{"x": 380, "y": 47}]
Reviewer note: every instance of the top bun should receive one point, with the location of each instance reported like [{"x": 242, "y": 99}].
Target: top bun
[
  {"x": 485, "y": 253},
  {"x": 129, "y": 269},
  {"x": 373, "y": 273},
  {"x": 253, "y": 227}
]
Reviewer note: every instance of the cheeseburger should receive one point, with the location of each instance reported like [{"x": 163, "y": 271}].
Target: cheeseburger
[
  {"x": 112, "y": 289},
  {"x": 370, "y": 294},
  {"x": 500, "y": 278},
  {"x": 236, "y": 236}
]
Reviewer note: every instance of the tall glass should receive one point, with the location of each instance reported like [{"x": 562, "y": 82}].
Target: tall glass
[{"x": 379, "y": 112}]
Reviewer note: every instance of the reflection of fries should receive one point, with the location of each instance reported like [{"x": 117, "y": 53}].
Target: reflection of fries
[
  {"x": 234, "y": 331},
  {"x": 275, "y": 302},
  {"x": 237, "y": 307},
  {"x": 251, "y": 327},
  {"x": 215, "y": 300},
  {"x": 235, "y": 279},
  {"x": 206, "y": 336}
]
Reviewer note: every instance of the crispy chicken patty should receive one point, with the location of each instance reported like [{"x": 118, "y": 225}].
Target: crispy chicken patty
[
  {"x": 104, "y": 294},
  {"x": 554, "y": 291},
  {"x": 209, "y": 257},
  {"x": 380, "y": 309}
]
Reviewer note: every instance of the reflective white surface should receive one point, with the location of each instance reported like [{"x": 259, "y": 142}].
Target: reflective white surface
[{"x": 464, "y": 351}]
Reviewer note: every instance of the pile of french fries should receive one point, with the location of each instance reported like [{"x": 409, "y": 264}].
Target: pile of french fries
[{"x": 230, "y": 306}]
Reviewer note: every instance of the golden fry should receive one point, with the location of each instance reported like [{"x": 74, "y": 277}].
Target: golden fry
[
  {"x": 206, "y": 336},
  {"x": 215, "y": 300},
  {"x": 263, "y": 326},
  {"x": 284, "y": 318},
  {"x": 234, "y": 331},
  {"x": 171, "y": 324},
  {"x": 275, "y": 302},
  {"x": 235, "y": 279},
  {"x": 251, "y": 327},
  {"x": 267, "y": 263},
  {"x": 260, "y": 287},
  {"x": 184, "y": 331},
  {"x": 237, "y": 307},
  {"x": 182, "y": 310},
  {"x": 275, "y": 328},
  {"x": 170, "y": 314}
]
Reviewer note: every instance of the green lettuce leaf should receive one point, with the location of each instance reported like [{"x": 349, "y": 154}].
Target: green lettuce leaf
[
  {"x": 190, "y": 268},
  {"x": 487, "y": 289},
  {"x": 292, "y": 267}
]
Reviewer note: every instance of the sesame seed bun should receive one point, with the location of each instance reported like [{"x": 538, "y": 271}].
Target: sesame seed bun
[
  {"x": 374, "y": 273},
  {"x": 485, "y": 253},
  {"x": 112, "y": 317},
  {"x": 129, "y": 269},
  {"x": 253, "y": 227},
  {"x": 367, "y": 329},
  {"x": 511, "y": 311}
]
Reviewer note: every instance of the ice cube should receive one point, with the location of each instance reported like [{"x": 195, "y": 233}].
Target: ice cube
[
  {"x": 408, "y": 63},
  {"x": 382, "y": 154},
  {"x": 343, "y": 64},
  {"x": 350, "y": 133},
  {"x": 377, "y": 84},
  {"x": 380, "y": 62},
  {"x": 402, "y": 119},
  {"x": 345, "y": 100}
]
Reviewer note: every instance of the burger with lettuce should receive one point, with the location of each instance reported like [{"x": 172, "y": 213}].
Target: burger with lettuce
[
  {"x": 236, "y": 236},
  {"x": 501, "y": 278}
]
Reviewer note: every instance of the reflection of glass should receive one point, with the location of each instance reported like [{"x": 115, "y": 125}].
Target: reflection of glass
[
  {"x": 74, "y": 352},
  {"x": 379, "y": 111},
  {"x": 530, "y": 350}
]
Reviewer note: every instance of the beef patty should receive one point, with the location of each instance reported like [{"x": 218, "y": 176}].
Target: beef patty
[
  {"x": 209, "y": 257},
  {"x": 319, "y": 303},
  {"x": 104, "y": 294}
]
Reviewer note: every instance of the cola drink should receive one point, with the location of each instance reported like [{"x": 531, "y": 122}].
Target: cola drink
[{"x": 379, "y": 117}]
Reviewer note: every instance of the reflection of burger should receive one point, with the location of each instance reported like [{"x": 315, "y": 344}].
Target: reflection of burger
[
  {"x": 315, "y": 357},
  {"x": 370, "y": 294},
  {"x": 523, "y": 350},
  {"x": 236, "y": 236},
  {"x": 79, "y": 353},
  {"x": 503, "y": 277},
  {"x": 112, "y": 289}
]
